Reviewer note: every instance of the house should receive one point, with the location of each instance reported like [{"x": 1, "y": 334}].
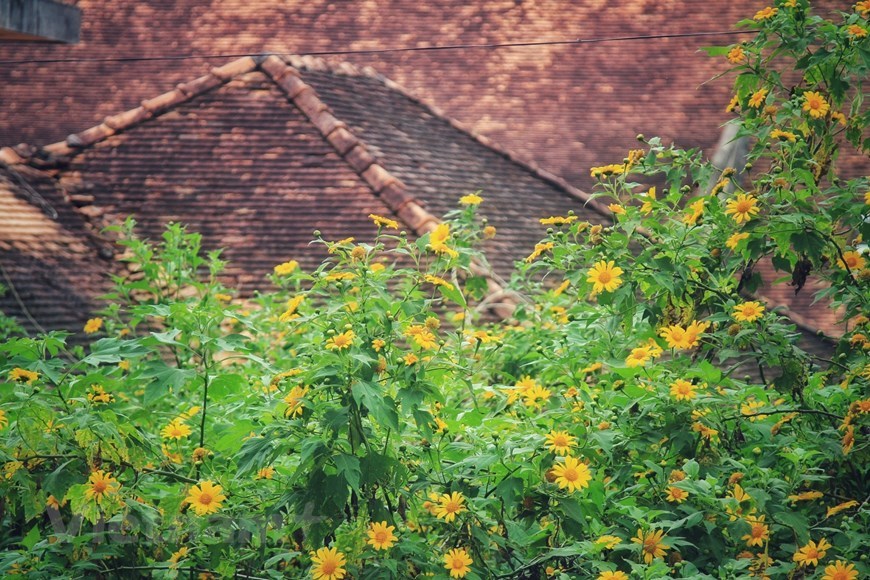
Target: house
[
  {"x": 255, "y": 155},
  {"x": 39, "y": 21}
]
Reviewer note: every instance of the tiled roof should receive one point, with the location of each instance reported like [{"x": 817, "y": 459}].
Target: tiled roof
[
  {"x": 254, "y": 158},
  {"x": 568, "y": 107},
  {"x": 50, "y": 262}
]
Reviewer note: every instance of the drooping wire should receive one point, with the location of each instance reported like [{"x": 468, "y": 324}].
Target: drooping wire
[{"x": 494, "y": 45}]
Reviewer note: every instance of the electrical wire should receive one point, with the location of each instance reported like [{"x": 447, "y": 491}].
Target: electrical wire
[{"x": 380, "y": 50}]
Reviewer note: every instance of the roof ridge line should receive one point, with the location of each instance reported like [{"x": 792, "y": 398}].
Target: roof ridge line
[
  {"x": 349, "y": 69},
  {"x": 148, "y": 109},
  {"x": 387, "y": 187}
]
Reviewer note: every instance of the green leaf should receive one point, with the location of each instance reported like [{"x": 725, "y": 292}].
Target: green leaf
[{"x": 349, "y": 467}]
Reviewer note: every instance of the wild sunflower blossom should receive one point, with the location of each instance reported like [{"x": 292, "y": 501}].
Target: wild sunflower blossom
[
  {"x": 286, "y": 268},
  {"x": 101, "y": 484},
  {"x": 295, "y": 404},
  {"x": 765, "y": 14},
  {"x": 683, "y": 390},
  {"x": 3, "y": 420},
  {"x": 806, "y": 496},
  {"x": 736, "y": 55},
  {"x": 560, "y": 442},
  {"x": 607, "y": 170},
  {"x": 340, "y": 341},
  {"x": 757, "y": 98},
  {"x": 748, "y": 311},
  {"x": 458, "y": 562},
  {"x": 734, "y": 240},
  {"x": 743, "y": 208},
  {"x": 604, "y": 276},
  {"x": 450, "y": 504},
  {"x": 558, "y": 220},
  {"x": 851, "y": 260},
  {"x": 811, "y": 553},
  {"x": 815, "y": 104},
  {"x": 383, "y": 222},
  {"x": 571, "y": 474},
  {"x": 328, "y": 564},
  {"x": 840, "y": 570},
  {"x": 651, "y": 544},
  {"x": 93, "y": 325},
  {"x": 758, "y": 531},
  {"x": 20, "y": 375},
  {"x": 608, "y": 575},
  {"x": 638, "y": 357},
  {"x": 676, "y": 494},
  {"x": 175, "y": 430},
  {"x": 783, "y": 135},
  {"x": 539, "y": 249},
  {"x": 205, "y": 498},
  {"x": 609, "y": 542},
  {"x": 681, "y": 338},
  {"x": 471, "y": 199},
  {"x": 436, "y": 281},
  {"x": 381, "y": 536},
  {"x": 438, "y": 241}
]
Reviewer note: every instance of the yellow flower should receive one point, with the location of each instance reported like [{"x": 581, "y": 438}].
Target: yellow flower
[
  {"x": 748, "y": 311},
  {"x": 99, "y": 395},
  {"x": 328, "y": 564},
  {"x": 438, "y": 281},
  {"x": 292, "y": 306},
  {"x": 832, "y": 511},
  {"x": 124, "y": 365},
  {"x": 175, "y": 430},
  {"x": 732, "y": 104},
  {"x": 697, "y": 208},
  {"x": 286, "y": 268},
  {"x": 176, "y": 556},
  {"x": 560, "y": 442},
  {"x": 410, "y": 359},
  {"x": 758, "y": 531},
  {"x": 651, "y": 544},
  {"x": 810, "y": 554},
  {"x": 539, "y": 249},
  {"x": 3, "y": 420},
  {"x": 572, "y": 474},
  {"x": 608, "y": 575},
  {"x": 856, "y": 31},
  {"x": 471, "y": 199},
  {"x": 295, "y": 405},
  {"x": 609, "y": 542},
  {"x": 381, "y": 536},
  {"x": 267, "y": 472},
  {"x": 558, "y": 220},
  {"x": 616, "y": 209},
  {"x": 336, "y": 276},
  {"x": 783, "y": 135},
  {"x": 706, "y": 432},
  {"x": 93, "y": 325},
  {"x": 536, "y": 397},
  {"x": 815, "y": 104},
  {"x": 489, "y": 232},
  {"x": 449, "y": 505},
  {"x": 438, "y": 241},
  {"x": 684, "y": 338},
  {"x": 205, "y": 498},
  {"x": 561, "y": 288},
  {"x": 638, "y": 357},
  {"x": 340, "y": 341},
  {"x": 757, "y": 98},
  {"x": 378, "y": 344},
  {"x": 840, "y": 570},
  {"x": 676, "y": 494},
  {"x": 457, "y": 561},
  {"x": 100, "y": 485},
  {"x": 736, "y": 55},
  {"x": 863, "y": 7},
  {"x": 605, "y": 276},
  {"x": 383, "y": 222},
  {"x": 732, "y": 242},
  {"x": 806, "y": 496},
  {"x": 743, "y": 208},
  {"x": 20, "y": 375},
  {"x": 852, "y": 259},
  {"x": 682, "y": 390},
  {"x": 606, "y": 170},
  {"x": 765, "y": 14},
  {"x": 375, "y": 268}
]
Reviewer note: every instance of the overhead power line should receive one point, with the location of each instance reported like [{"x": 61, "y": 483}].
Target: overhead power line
[{"x": 380, "y": 50}]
